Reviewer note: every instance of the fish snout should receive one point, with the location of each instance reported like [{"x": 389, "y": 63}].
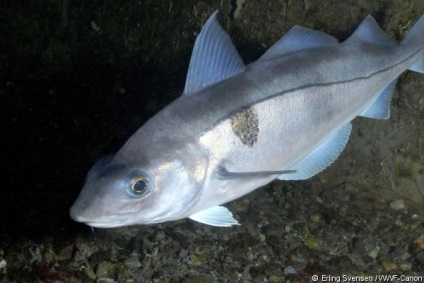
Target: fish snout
[{"x": 75, "y": 213}]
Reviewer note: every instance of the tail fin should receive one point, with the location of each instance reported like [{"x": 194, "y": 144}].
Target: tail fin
[{"x": 416, "y": 36}]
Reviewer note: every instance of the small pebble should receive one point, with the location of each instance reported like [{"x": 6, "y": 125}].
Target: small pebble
[
  {"x": 105, "y": 269},
  {"x": 49, "y": 255},
  {"x": 419, "y": 242},
  {"x": 374, "y": 253},
  {"x": 389, "y": 265},
  {"x": 415, "y": 225},
  {"x": 133, "y": 263},
  {"x": 405, "y": 266},
  {"x": 312, "y": 243},
  {"x": 315, "y": 218},
  {"x": 198, "y": 279},
  {"x": 397, "y": 204},
  {"x": 89, "y": 273},
  {"x": 274, "y": 278},
  {"x": 287, "y": 228},
  {"x": 183, "y": 253},
  {"x": 195, "y": 260},
  {"x": 65, "y": 253},
  {"x": 289, "y": 270}
]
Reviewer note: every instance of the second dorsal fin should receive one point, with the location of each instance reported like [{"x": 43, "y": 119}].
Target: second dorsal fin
[{"x": 297, "y": 39}]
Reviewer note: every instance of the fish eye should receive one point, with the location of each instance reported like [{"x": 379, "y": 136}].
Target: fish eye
[{"x": 139, "y": 186}]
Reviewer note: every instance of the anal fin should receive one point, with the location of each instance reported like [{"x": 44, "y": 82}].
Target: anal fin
[
  {"x": 321, "y": 157},
  {"x": 380, "y": 108},
  {"x": 418, "y": 66}
]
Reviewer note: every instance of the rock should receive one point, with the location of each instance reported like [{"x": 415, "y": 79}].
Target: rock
[
  {"x": 198, "y": 279},
  {"x": 374, "y": 252},
  {"x": 289, "y": 270},
  {"x": 133, "y": 263},
  {"x": 312, "y": 243},
  {"x": 397, "y": 204},
  {"x": 315, "y": 218},
  {"x": 89, "y": 273},
  {"x": 419, "y": 242},
  {"x": 105, "y": 269}
]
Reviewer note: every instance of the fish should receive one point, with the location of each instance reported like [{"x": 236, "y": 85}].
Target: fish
[{"x": 237, "y": 127}]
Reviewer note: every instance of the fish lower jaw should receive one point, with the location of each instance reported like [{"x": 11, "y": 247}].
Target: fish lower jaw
[
  {"x": 108, "y": 224},
  {"x": 101, "y": 223}
]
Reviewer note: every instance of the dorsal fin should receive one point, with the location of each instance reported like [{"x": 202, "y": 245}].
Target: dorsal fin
[
  {"x": 299, "y": 38},
  {"x": 214, "y": 57},
  {"x": 369, "y": 31},
  {"x": 415, "y": 36}
]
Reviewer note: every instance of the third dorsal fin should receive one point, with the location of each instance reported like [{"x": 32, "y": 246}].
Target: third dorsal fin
[{"x": 369, "y": 31}]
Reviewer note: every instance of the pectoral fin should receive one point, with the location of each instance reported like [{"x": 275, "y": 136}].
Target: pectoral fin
[
  {"x": 223, "y": 173},
  {"x": 215, "y": 216}
]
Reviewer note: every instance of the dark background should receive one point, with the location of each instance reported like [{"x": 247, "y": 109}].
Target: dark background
[{"x": 77, "y": 79}]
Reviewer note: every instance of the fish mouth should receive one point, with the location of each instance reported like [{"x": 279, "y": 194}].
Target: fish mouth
[
  {"x": 105, "y": 225},
  {"x": 76, "y": 215},
  {"x": 100, "y": 223}
]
